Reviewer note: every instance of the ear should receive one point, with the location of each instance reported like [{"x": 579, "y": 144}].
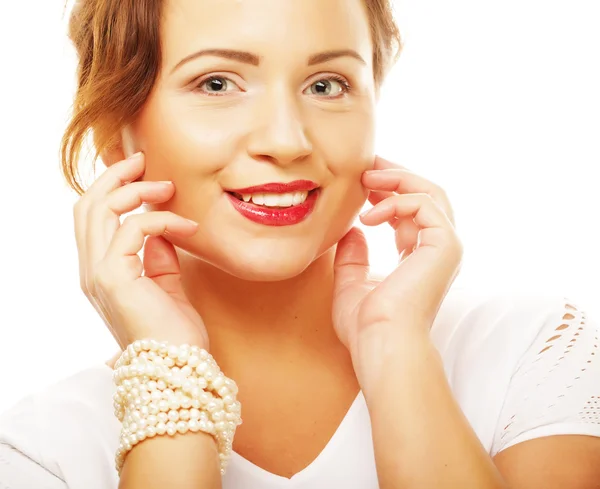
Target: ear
[{"x": 124, "y": 148}]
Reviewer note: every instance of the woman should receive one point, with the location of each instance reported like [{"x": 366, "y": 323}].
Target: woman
[{"x": 246, "y": 129}]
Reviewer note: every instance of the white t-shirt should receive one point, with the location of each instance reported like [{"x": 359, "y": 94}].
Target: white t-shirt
[{"x": 520, "y": 368}]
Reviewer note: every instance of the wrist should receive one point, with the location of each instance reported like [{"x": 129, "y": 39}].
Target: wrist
[{"x": 385, "y": 352}]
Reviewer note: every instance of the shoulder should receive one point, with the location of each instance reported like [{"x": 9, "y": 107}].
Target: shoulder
[
  {"x": 515, "y": 361},
  {"x": 475, "y": 324},
  {"x": 75, "y": 415}
]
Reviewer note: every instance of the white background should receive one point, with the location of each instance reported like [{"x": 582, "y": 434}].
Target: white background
[{"x": 498, "y": 102}]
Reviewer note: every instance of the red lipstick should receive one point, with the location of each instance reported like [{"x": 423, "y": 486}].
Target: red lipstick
[{"x": 276, "y": 216}]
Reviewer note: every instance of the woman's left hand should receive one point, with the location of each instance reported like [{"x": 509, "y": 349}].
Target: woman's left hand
[{"x": 408, "y": 299}]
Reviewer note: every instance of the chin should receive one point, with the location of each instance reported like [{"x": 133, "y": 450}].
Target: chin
[{"x": 258, "y": 260}]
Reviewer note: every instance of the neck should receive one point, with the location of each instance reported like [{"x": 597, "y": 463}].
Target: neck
[{"x": 288, "y": 319}]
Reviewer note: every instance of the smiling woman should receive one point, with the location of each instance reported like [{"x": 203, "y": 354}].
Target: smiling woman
[{"x": 256, "y": 349}]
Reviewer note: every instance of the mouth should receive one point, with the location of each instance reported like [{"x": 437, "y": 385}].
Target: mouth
[
  {"x": 276, "y": 204},
  {"x": 274, "y": 200}
]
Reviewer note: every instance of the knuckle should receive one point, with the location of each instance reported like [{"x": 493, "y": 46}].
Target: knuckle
[{"x": 132, "y": 220}]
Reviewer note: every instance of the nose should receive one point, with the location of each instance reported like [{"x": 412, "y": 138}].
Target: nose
[{"x": 279, "y": 135}]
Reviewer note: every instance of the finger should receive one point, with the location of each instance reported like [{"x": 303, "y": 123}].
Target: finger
[
  {"x": 351, "y": 262},
  {"x": 162, "y": 265},
  {"x": 117, "y": 175},
  {"x": 406, "y": 236},
  {"x": 129, "y": 238},
  {"x": 131, "y": 196},
  {"x": 104, "y": 215},
  {"x": 113, "y": 177},
  {"x": 383, "y": 164},
  {"x": 385, "y": 181},
  {"x": 424, "y": 211}
]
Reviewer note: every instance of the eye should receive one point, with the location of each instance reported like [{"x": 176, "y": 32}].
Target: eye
[
  {"x": 332, "y": 87},
  {"x": 216, "y": 85}
]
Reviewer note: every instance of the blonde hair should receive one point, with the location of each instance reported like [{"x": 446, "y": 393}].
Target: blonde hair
[{"x": 119, "y": 56}]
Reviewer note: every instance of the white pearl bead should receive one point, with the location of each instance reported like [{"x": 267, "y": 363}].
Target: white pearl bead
[
  {"x": 172, "y": 351},
  {"x": 219, "y": 381},
  {"x": 161, "y": 428},
  {"x": 173, "y": 415},
  {"x": 183, "y": 356},
  {"x": 151, "y": 431},
  {"x": 182, "y": 427},
  {"x": 171, "y": 428},
  {"x": 193, "y": 425},
  {"x": 162, "y": 417},
  {"x": 163, "y": 405},
  {"x": 202, "y": 368},
  {"x": 210, "y": 374},
  {"x": 232, "y": 386},
  {"x": 193, "y": 361},
  {"x": 194, "y": 413},
  {"x": 186, "y": 403},
  {"x": 141, "y": 435},
  {"x": 184, "y": 414},
  {"x": 152, "y": 420},
  {"x": 205, "y": 398},
  {"x": 218, "y": 416}
]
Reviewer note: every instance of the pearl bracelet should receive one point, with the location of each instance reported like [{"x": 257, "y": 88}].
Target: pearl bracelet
[{"x": 168, "y": 389}]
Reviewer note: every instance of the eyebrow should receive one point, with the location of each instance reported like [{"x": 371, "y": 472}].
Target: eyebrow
[{"x": 253, "y": 59}]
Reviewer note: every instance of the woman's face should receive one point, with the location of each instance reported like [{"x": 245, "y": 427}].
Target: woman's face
[{"x": 253, "y": 92}]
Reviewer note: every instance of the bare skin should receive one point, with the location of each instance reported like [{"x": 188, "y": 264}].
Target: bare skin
[{"x": 266, "y": 300}]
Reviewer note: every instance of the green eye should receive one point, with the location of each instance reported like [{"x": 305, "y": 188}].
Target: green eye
[
  {"x": 217, "y": 85},
  {"x": 329, "y": 87}
]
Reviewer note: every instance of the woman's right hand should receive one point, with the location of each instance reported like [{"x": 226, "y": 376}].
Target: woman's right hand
[{"x": 135, "y": 299}]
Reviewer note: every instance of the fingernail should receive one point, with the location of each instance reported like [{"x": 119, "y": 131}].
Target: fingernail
[
  {"x": 165, "y": 182},
  {"x": 192, "y": 222},
  {"x": 364, "y": 213},
  {"x": 135, "y": 156}
]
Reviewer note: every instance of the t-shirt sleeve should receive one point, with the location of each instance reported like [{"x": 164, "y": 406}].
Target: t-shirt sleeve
[
  {"x": 555, "y": 387},
  {"x": 18, "y": 471}
]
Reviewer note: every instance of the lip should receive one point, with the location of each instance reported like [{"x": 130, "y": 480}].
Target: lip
[
  {"x": 277, "y": 187},
  {"x": 273, "y": 216}
]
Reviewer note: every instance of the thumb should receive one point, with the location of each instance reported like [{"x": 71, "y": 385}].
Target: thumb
[
  {"x": 162, "y": 265},
  {"x": 351, "y": 262}
]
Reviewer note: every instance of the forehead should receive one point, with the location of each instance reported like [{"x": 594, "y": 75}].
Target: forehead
[{"x": 269, "y": 27}]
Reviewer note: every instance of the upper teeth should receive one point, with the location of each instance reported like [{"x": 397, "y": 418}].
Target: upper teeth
[{"x": 277, "y": 200}]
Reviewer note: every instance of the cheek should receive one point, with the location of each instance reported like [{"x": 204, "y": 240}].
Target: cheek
[
  {"x": 186, "y": 141},
  {"x": 347, "y": 142}
]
